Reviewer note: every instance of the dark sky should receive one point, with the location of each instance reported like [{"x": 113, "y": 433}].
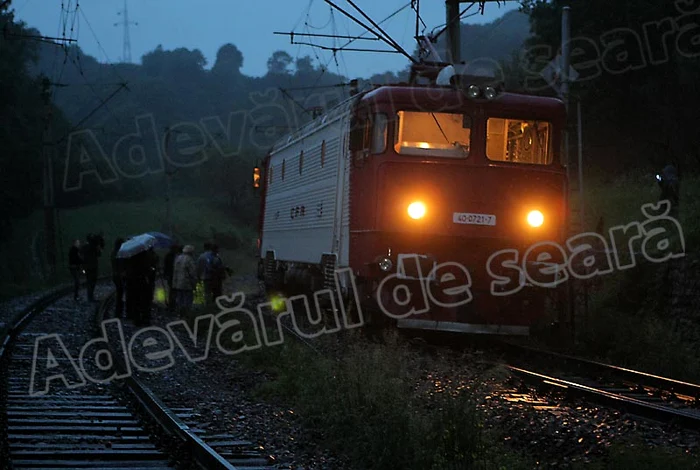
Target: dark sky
[{"x": 249, "y": 24}]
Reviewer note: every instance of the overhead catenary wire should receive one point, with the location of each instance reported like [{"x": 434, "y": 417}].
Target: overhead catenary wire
[
  {"x": 324, "y": 68},
  {"x": 103, "y": 103},
  {"x": 389, "y": 41},
  {"x": 315, "y": 35},
  {"x": 346, "y": 49},
  {"x": 445, "y": 26},
  {"x": 99, "y": 44}
]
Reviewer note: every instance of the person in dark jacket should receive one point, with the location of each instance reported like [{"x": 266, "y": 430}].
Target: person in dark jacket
[
  {"x": 133, "y": 282},
  {"x": 75, "y": 263},
  {"x": 91, "y": 255},
  {"x": 215, "y": 273},
  {"x": 151, "y": 271},
  {"x": 669, "y": 182},
  {"x": 118, "y": 277},
  {"x": 168, "y": 270}
]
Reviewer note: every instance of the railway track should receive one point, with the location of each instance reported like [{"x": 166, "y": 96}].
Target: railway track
[
  {"x": 635, "y": 392},
  {"x": 83, "y": 427},
  {"x": 210, "y": 451},
  {"x": 116, "y": 425}
]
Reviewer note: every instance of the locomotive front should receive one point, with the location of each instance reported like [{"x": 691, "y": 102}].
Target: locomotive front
[{"x": 455, "y": 196}]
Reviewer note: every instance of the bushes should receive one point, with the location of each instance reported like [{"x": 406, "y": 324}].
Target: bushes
[{"x": 635, "y": 317}]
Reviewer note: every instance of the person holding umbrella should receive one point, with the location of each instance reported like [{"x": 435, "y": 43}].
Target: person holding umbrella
[
  {"x": 118, "y": 274},
  {"x": 140, "y": 267}
]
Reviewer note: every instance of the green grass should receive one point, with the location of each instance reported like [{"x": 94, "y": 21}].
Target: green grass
[
  {"x": 194, "y": 221},
  {"x": 619, "y": 200},
  {"x": 366, "y": 407},
  {"x": 629, "y": 321}
]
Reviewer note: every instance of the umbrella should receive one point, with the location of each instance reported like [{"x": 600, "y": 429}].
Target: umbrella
[
  {"x": 136, "y": 245},
  {"x": 162, "y": 240}
]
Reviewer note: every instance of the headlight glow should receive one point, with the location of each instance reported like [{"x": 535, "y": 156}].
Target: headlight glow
[
  {"x": 416, "y": 210},
  {"x": 535, "y": 218},
  {"x": 473, "y": 91}
]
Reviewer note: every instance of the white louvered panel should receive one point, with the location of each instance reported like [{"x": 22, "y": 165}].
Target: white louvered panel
[{"x": 305, "y": 238}]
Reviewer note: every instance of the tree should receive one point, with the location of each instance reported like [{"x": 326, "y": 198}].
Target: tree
[
  {"x": 305, "y": 65},
  {"x": 229, "y": 60},
  {"x": 278, "y": 63},
  {"x": 22, "y": 117},
  {"x": 634, "y": 90},
  {"x": 180, "y": 63}
]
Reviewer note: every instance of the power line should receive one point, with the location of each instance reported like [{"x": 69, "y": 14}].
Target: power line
[
  {"x": 99, "y": 44},
  {"x": 384, "y": 37},
  {"x": 300, "y": 88},
  {"x": 103, "y": 103},
  {"x": 324, "y": 68},
  {"x": 49, "y": 39},
  {"x": 313, "y": 35}
]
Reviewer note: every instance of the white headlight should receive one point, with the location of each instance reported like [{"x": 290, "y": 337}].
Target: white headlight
[
  {"x": 535, "y": 218},
  {"x": 473, "y": 91},
  {"x": 385, "y": 264},
  {"x": 490, "y": 93}
]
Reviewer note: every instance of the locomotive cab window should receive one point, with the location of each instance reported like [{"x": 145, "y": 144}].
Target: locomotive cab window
[
  {"x": 433, "y": 134},
  {"x": 380, "y": 127},
  {"x": 519, "y": 141}
]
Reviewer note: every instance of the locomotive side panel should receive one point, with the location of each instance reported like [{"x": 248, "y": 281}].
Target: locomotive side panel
[{"x": 306, "y": 190}]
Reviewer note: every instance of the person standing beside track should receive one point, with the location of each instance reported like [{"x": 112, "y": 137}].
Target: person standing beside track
[
  {"x": 202, "y": 275},
  {"x": 93, "y": 250},
  {"x": 669, "y": 182},
  {"x": 75, "y": 262},
  {"x": 185, "y": 278},
  {"x": 214, "y": 274},
  {"x": 118, "y": 277},
  {"x": 151, "y": 273},
  {"x": 168, "y": 271}
]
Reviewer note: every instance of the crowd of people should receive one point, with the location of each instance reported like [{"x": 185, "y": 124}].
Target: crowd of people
[
  {"x": 135, "y": 277},
  {"x": 183, "y": 273}
]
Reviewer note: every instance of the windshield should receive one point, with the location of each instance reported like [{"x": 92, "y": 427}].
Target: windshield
[
  {"x": 433, "y": 134},
  {"x": 519, "y": 141}
]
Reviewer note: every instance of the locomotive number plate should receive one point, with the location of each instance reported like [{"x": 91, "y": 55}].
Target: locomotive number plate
[{"x": 473, "y": 219}]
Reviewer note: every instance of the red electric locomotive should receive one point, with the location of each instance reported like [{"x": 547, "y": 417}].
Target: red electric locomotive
[{"x": 430, "y": 199}]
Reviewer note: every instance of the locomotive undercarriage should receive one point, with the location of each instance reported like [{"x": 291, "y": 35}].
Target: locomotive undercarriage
[{"x": 474, "y": 310}]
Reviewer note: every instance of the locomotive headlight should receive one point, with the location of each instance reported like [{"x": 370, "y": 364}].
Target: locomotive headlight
[
  {"x": 473, "y": 91},
  {"x": 535, "y": 218},
  {"x": 490, "y": 93},
  {"x": 416, "y": 210},
  {"x": 385, "y": 264}
]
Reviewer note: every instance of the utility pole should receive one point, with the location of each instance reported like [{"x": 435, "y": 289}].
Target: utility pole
[
  {"x": 47, "y": 149},
  {"x": 454, "y": 26},
  {"x": 565, "y": 54},
  {"x": 126, "y": 48},
  {"x": 565, "y": 35},
  {"x": 453, "y": 30}
]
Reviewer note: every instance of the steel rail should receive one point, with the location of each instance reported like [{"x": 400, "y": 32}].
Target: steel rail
[
  {"x": 624, "y": 374},
  {"x": 21, "y": 319},
  {"x": 206, "y": 457},
  {"x": 635, "y": 406}
]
